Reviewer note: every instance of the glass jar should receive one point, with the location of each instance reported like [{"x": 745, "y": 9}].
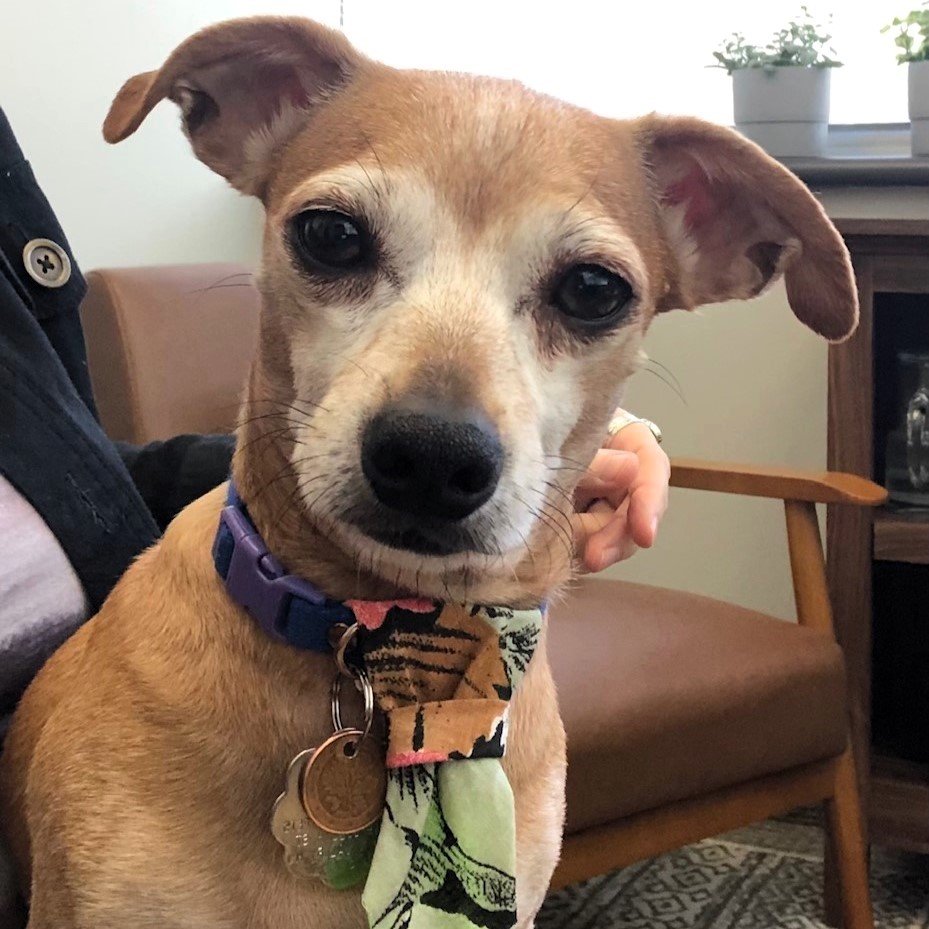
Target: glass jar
[{"x": 907, "y": 477}]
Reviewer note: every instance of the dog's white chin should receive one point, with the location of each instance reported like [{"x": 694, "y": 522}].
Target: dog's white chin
[{"x": 425, "y": 575}]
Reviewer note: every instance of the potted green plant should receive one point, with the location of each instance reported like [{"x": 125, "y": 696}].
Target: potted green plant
[
  {"x": 912, "y": 40},
  {"x": 780, "y": 91}
]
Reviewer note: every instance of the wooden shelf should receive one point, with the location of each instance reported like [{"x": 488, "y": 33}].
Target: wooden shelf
[
  {"x": 883, "y": 227},
  {"x": 900, "y": 536},
  {"x": 889, "y": 258},
  {"x": 900, "y": 803}
]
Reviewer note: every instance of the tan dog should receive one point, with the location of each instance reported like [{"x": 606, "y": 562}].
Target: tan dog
[{"x": 459, "y": 253}]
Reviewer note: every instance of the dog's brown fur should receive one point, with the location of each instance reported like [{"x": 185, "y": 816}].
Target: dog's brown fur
[{"x": 141, "y": 767}]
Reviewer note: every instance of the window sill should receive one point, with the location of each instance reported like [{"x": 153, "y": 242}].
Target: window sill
[{"x": 864, "y": 155}]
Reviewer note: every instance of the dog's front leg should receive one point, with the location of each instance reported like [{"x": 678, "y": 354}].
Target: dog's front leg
[{"x": 536, "y": 765}]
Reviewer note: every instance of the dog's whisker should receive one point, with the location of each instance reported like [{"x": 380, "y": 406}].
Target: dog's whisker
[
  {"x": 260, "y": 445},
  {"x": 268, "y": 434},
  {"x": 274, "y": 414},
  {"x": 675, "y": 389},
  {"x": 369, "y": 374},
  {"x": 313, "y": 506},
  {"x": 232, "y": 277},
  {"x": 581, "y": 224},
  {"x": 678, "y": 386},
  {"x": 561, "y": 492},
  {"x": 291, "y": 467},
  {"x": 561, "y": 534},
  {"x": 372, "y": 187},
  {"x": 302, "y": 482},
  {"x": 526, "y": 546},
  {"x": 289, "y": 405},
  {"x": 269, "y": 438},
  {"x": 377, "y": 157},
  {"x": 205, "y": 290},
  {"x": 222, "y": 282},
  {"x": 293, "y": 498},
  {"x": 582, "y": 465},
  {"x": 569, "y": 469},
  {"x": 562, "y": 522},
  {"x": 285, "y": 472}
]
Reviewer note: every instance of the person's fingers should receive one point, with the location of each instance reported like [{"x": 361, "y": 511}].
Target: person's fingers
[
  {"x": 609, "y": 477},
  {"x": 649, "y": 495},
  {"x": 593, "y": 520},
  {"x": 621, "y": 499},
  {"x": 647, "y": 505},
  {"x": 612, "y": 544},
  {"x": 603, "y": 537},
  {"x": 649, "y": 490}
]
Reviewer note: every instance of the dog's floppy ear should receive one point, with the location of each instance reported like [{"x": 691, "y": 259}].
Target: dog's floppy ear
[
  {"x": 244, "y": 86},
  {"x": 736, "y": 220}
]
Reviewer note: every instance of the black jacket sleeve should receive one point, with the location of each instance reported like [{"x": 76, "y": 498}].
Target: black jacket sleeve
[
  {"x": 52, "y": 449},
  {"x": 98, "y": 500},
  {"x": 171, "y": 474}
]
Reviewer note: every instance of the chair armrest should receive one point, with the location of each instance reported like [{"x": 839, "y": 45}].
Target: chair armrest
[{"x": 776, "y": 483}]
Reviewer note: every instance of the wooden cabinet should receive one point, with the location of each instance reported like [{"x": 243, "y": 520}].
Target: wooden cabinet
[{"x": 879, "y": 562}]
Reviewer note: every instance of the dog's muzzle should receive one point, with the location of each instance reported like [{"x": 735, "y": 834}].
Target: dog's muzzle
[{"x": 431, "y": 468}]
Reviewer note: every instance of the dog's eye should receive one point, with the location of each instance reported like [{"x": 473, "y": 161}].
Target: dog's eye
[
  {"x": 592, "y": 295},
  {"x": 331, "y": 240}
]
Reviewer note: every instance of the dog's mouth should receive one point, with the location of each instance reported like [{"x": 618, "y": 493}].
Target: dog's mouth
[
  {"x": 419, "y": 542},
  {"x": 435, "y": 539}
]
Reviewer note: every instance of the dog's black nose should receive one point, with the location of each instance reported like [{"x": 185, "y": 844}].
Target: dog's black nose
[{"x": 430, "y": 463}]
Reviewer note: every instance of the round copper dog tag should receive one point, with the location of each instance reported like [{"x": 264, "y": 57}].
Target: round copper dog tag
[{"x": 345, "y": 783}]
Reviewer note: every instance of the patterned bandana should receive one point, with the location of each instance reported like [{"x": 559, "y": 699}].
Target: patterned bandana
[
  {"x": 445, "y": 857},
  {"x": 444, "y": 673}
]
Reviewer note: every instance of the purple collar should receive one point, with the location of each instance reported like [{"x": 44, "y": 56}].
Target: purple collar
[{"x": 288, "y": 608}]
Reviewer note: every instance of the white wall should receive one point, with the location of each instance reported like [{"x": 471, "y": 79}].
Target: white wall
[
  {"x": 753, "y": 379},
  {"x": 624, "y": 59}
]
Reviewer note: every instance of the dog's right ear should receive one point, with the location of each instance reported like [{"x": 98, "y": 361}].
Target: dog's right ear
[{"x": 244, "y": 87}]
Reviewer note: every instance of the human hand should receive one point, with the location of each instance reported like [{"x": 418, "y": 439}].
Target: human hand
[{"x": 621, "y": 499}]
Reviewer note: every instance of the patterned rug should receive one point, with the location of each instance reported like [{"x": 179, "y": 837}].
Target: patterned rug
[{"x": 767, "y": 876}]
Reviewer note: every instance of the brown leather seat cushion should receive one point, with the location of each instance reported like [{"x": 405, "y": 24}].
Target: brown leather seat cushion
[{"x": 667, "y": 695}]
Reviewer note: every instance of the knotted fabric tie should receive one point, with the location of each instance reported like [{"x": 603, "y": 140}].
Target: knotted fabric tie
[{"x": 444, "y": 675}]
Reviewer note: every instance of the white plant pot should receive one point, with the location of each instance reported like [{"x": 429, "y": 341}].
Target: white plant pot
[
  {"x": 784, "y": 110},
  {"x": 919, "y": 106}
]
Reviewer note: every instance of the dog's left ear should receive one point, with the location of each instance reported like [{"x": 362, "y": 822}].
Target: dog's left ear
[
  {"x": 244, "y": 87},
  {"x": 735, "y": 220}
]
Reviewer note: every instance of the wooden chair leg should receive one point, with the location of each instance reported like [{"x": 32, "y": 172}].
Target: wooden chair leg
[
  {"x": 846, "y": 849},
  {"x": 832, "y": 882}
]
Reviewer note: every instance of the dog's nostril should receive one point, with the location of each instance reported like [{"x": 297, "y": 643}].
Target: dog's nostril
[
  {"x": 472, "y": 479},
  {"x": 394, "y": 464}
]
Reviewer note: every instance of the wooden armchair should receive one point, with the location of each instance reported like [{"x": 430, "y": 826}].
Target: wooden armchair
[
  {"x": 765, "y": 677},
  {"x": 685, "y": 716}
]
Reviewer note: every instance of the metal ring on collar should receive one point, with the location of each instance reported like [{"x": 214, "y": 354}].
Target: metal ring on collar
[
  {"x": 367, "y": 691},
  {"x": 341, "y": 646}
]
